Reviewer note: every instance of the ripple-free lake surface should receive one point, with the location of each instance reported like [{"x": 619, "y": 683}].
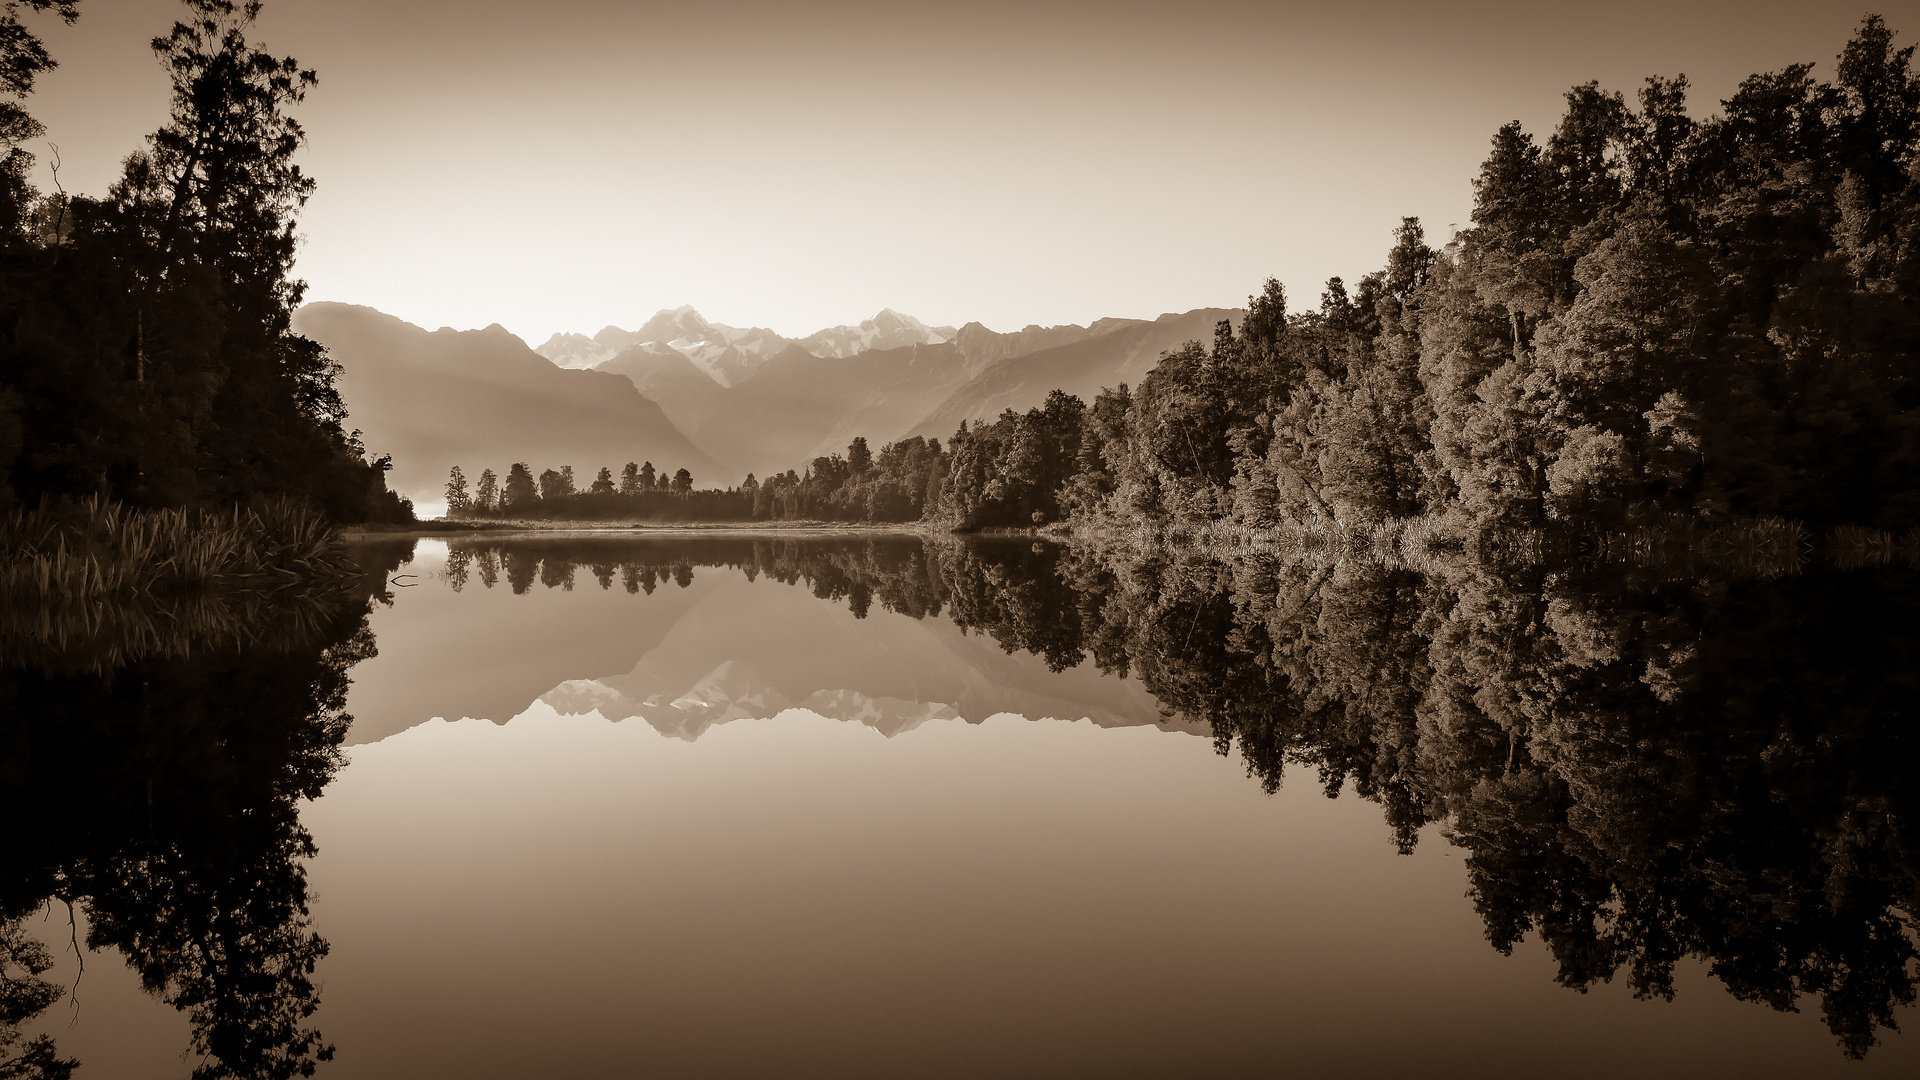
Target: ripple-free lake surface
[{"x": 719, "y": 825}]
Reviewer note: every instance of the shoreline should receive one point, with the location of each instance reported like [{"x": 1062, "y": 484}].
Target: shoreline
[{"x": 449, "y": 529}]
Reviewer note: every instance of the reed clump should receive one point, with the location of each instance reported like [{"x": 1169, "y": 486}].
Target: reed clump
[
  {"x": 101, "y": 548},
  {"x": 112, "y": 582}
]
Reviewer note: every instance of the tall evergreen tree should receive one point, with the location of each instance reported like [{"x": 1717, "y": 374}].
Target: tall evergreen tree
[
  {"x": 487, "y": 494},
  {"x": 520, "y": 493},
  {"x": 457, "y": 499}
]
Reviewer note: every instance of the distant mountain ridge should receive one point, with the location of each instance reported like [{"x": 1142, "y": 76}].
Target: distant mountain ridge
[
  {"x": 887, "y": 330},
  {"x": 719, "y": 401},
  {"x": 798, "y": 405},
  {"x": 482, "y": 399},
  {"x": 730, "y": 354},
  {"x": 726, "y": 354},
  {"x": 1122, "y": 352}
]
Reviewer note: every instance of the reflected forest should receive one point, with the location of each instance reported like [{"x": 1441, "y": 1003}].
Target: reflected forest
[
  {"x": 1646, "y": 759},
  {"x": 1586, "y": 542}
]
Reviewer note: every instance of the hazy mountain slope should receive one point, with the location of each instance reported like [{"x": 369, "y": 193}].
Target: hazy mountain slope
[
  {"x": 482, "y": 399},
  {"x": 574, "y": 350},
  {"x": 1120, "y": 355},
  {"x": 800, "y": 404},
  {"x": 803, "y": 407},
  {"x": 729, "y": 354},
  {"x": 683, "y": 391}
]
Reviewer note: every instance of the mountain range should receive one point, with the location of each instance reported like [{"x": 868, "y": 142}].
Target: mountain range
[
  {"x": 726, "y": 354},
  {"x": 800, "y": 405},
  {"x": 483, "y": 399},
  {"x": 887, "y": 330},
  {"x": 720, "y": 401},
  {"x": 729, "y": 354}
]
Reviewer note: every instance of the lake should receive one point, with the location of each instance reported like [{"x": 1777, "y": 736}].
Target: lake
[{"x": 747, "y": 805}]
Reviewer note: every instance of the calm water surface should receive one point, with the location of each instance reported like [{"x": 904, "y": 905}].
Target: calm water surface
[{"x": 715, "y": 807}]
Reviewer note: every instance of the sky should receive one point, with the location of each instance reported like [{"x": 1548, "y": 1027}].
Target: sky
[{"x": 571, "y": 164}]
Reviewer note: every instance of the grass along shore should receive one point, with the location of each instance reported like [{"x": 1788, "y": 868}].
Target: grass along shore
[{"x": 95, "y": 582}]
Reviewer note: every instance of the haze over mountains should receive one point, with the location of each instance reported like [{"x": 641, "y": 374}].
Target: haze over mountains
[
  {"x": 730, "y": 354},
  {"x": 805, "y": 402},
  {"x": 727, "y": 354},
  {"x": 721, "y": 401},
  {"x": 482, "y": 399},
  {"x": 887, "y": 330}
]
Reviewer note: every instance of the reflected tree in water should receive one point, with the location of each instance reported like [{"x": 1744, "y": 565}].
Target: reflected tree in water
[
  {"x": 160, "y": 795},
  {"x": 1640, "y": 770},
  {"x": 23, "y": 996},
  {"x": 1645, "y": 762}
]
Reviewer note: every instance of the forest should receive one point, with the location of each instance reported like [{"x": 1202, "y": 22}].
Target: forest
[
  {"x": 1651, "y": 314},
  {"x": 145, "y": 349},
  {"x": 895, "y": 486},
  {"x": 638, "y": 494}
]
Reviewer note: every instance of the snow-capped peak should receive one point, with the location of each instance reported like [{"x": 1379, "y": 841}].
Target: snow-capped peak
[
  {"x": 887, "y": 330},
  {"x": 726, "y": 354}
]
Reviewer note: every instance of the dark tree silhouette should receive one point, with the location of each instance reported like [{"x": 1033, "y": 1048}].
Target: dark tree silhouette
[{"x": 150, "y": 357}]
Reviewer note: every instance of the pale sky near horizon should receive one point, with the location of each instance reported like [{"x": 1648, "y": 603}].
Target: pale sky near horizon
[{"x": 577, "y": 163}]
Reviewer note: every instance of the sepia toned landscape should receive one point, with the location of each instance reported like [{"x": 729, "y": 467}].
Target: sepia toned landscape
[{"x": 1049, "y": 540}]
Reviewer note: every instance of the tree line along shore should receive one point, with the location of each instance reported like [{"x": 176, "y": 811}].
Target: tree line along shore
[{"x": 1650, "y": 314}]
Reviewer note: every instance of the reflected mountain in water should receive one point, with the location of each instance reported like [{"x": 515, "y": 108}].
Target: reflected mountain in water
[
  {"x": 1644, "y": 761},
  {"x": 689, "y": 633},
  {"x": 1644, "y": 764},
  {"x": 733, "y": 691}
]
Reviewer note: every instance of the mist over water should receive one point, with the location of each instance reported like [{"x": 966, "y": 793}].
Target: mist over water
[{"x": 871, "y": 804}]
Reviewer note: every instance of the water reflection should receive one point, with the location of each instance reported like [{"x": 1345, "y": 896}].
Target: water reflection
[
  {"x": 150, "y": 774},
  {"x": 1644, "y": 765},
  {"x": 1644, "y": 762},
  {"x": 685, "y": 634}
]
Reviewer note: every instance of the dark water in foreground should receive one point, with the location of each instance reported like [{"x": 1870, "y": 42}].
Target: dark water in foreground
[{"x": 713, "y": 807}]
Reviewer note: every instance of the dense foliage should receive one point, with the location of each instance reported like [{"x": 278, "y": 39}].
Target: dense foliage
[
  {"x": 895, "y": 486},
  {"x": 1650, "y": 313},
  {"x": 145, "y": 349},
  {"x": 638, "y": 494}
]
